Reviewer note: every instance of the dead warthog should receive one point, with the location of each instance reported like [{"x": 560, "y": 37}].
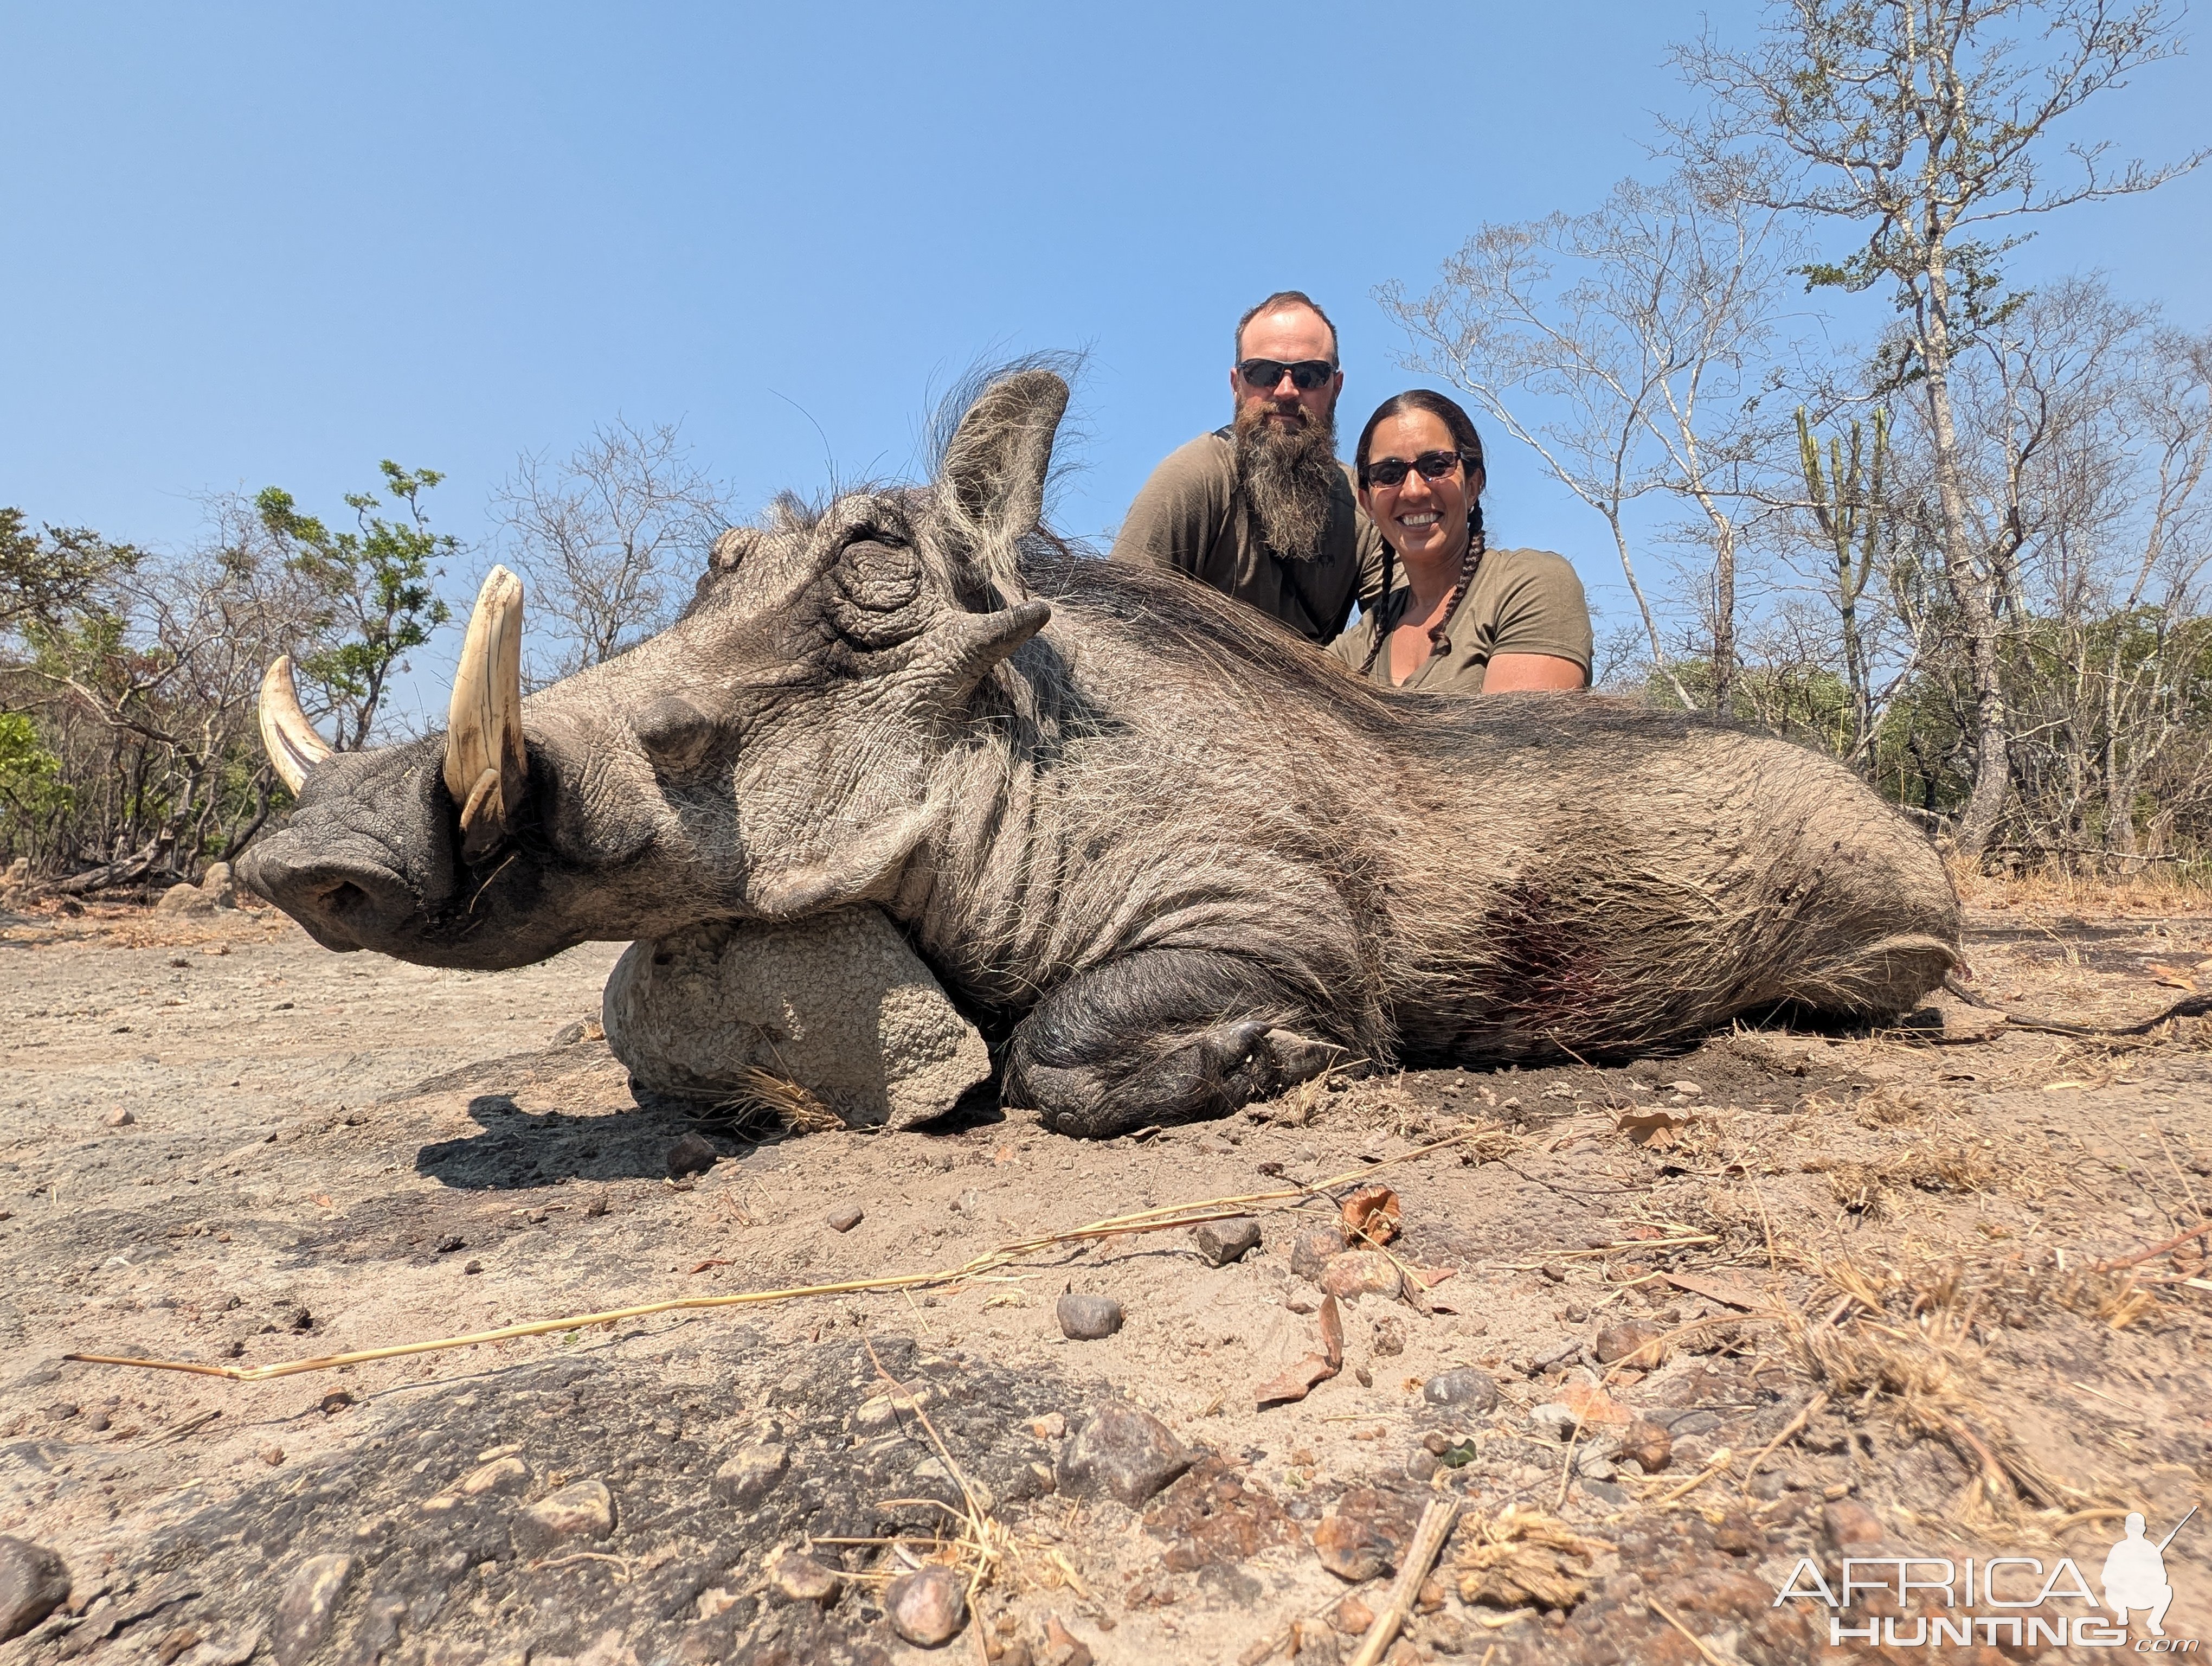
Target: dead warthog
[{"x": 1168, "y": 857}]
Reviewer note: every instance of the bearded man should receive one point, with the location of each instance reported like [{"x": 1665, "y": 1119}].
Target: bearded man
[{"x": 1262, "y": 510}]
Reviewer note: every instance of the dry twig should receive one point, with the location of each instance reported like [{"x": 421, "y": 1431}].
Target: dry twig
[
  {"x": 1435, "y": 1525},
  {"x": 1169, "y": 1218}
]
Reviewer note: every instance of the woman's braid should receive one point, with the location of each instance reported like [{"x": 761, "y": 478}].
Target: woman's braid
[
  {"x": 1381, "y": 607},
  {"x": 1438, "y": 643}
]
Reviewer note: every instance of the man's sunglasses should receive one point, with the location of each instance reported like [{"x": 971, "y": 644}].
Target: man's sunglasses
[
  {"x": 1432, "y": 465},
  {"x": 1305, "y": 375}
]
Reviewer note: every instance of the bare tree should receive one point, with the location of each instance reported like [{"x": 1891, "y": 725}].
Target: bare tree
[
  {"x": 1647, "y": 324},
  {"x": 602, "y": 535},
  {"x": 144, "y": 695},
  {"x": 1924, "y": 124}
]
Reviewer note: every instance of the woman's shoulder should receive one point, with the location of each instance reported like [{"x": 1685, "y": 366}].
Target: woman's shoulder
[
  {"x": 1541, "y": 570},
  {"x": 1350, "y": 644}
]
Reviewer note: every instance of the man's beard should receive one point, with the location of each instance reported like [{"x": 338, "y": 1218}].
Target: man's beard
[{"x": 1290, "y": 477}]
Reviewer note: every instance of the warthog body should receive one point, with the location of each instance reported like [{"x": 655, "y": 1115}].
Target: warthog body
[{"x": 1168, "y": 857}]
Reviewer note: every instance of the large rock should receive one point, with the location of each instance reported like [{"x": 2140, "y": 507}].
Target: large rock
[
  {"x": 837, "y": 1004},
  {"x": 34, "y": 1583},
  {"x": 215, "y": 892}
]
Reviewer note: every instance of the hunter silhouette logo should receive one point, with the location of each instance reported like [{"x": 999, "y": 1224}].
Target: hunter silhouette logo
[{"x": 2135, "y": 1574}]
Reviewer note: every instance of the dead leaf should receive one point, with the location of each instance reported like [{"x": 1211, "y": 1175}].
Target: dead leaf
[
  {"x": 712, "y": 1261},
  {"x": 1314, "y": 1369},
  {"x": 324, "y": 1200},
  {"x": 2173, "y": 977},
  {"x": 1372, "y": 1213},
  {"x": 1727, "y": 1292},
  {"x": 1656, "y": 1128}
]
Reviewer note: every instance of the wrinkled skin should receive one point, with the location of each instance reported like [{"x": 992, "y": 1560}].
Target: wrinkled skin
[{"x": 1167, "y": 856}]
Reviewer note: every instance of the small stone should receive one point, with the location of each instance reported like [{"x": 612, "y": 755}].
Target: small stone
[
  {"x": 1313, "y": 1249},
  {"x": 803, "y": 1579},
  {"x": 1555, "y": 1271},
  {"x": 714, "y": 1602},
  {"x": 1389, "y": 1337},
  {"x": 34, "y": 1581},
  {"x": 272, "y": 1455},
  {"x": 1850, "y": 1526},
  {"x": 1351, "y": 1616},
  {"x": 1121, "y": 1450},
  {"x": 1463, "y": 1386},
  {"x": 569, "y": 1035},
  {"x": 508, "y": 1473},
  {"x": 1053, "y": 1425},
  {"x": 1555, "y": 1418},
  {"x": 1222, "y": 1242},
  {"x": 968, "y": 1203},
  {"x": 927, "y": 1607},
  {"x": 583, "y": 1509},
  {"x": 1364, "y": 1535},
  {"x": 303, "y": 1616},
  {"x": 750, "y": 1474},
  {"x": 1648, "y": 1444},
  {"x": 1061, "y": 1647},
  {"x": 845, "y": 1219},
  {"x": 1592, "y": 1465},
  {"x": 472, "y": 1267},
  {"x": 450, "y": 1243},
  {"x": 121, "y": 1117},
  {"x": 1085, "y": 1318},
  {"x": 1359, "y": 1273},
  {"x": 1688, "y": 1087},
  {"x": 691, "y": 1155},
  {"x": 1628, "y": 1338},
  {"x": 882, "y": 1413}
]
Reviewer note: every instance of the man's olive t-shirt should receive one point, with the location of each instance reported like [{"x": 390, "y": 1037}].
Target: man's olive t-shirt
[
  {"x": 1190, "y": 518},
  {"x": 1522, "y": 601}
]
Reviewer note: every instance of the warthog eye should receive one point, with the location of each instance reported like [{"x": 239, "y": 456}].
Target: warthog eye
[{"x": 876, "y": 583}]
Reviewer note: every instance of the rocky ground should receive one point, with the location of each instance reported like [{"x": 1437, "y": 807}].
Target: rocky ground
[{"x": 1784, "y": 1296}]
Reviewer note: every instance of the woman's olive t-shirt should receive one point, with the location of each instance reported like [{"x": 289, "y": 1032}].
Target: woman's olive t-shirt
[{"x": 1522, "y": 601}]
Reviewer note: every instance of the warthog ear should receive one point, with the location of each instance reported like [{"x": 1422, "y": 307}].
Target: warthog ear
[{"x": 990, "y": 488}]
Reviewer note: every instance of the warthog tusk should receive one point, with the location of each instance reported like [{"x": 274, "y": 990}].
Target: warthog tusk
[
  {"x": 290, "y": 740},
  {"x": 485, "y": 764}
]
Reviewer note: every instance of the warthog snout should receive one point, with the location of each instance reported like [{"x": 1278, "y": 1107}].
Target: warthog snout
[{"x": 346, "y": 900}]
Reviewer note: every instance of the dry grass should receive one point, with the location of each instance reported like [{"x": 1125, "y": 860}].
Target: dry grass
[
  {"x": 1907, "y": 1344},
  {"x": 2162, "y": 888},
  {"x": 1521, "y": 1557},
  {"x": 765, "y": 1102}
]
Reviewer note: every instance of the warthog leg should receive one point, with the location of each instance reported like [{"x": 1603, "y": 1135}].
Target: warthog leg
[{"x": 1165, "y": 1036}]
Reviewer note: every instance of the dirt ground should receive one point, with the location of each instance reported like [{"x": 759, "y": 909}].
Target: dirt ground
[{"x": 1871, "y": 1263}]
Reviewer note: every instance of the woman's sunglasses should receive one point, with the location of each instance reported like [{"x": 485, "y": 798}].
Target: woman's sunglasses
[
  {"x": 1432, "y": 465},
  {"x": 1305, "y": 375}
]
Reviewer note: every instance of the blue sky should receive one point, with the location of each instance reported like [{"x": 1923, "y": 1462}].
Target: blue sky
[{"x": 250, "y": 246}]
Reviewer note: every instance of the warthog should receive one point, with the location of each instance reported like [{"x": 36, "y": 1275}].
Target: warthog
[{"x": 1168, "y": 857}]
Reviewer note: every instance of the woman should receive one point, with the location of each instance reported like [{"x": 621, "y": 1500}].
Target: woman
[{"x": 1470, "y": 619}]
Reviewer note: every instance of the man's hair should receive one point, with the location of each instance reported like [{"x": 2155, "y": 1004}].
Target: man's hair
[{"x": 1281, "y": 300}]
